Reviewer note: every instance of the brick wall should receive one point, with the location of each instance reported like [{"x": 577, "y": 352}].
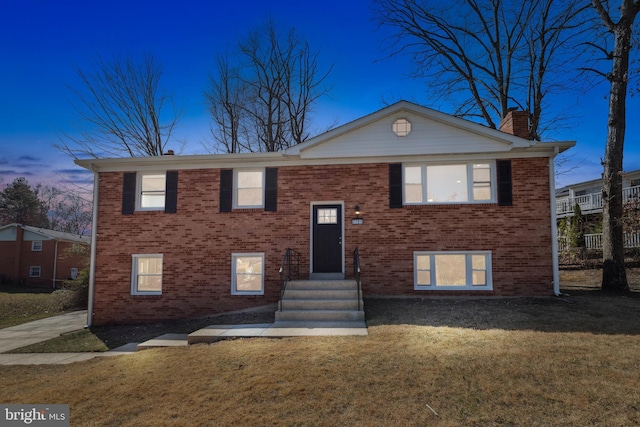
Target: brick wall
[
  {"x": 43, "y": 258},
  {"x": 197, "y": 241}
]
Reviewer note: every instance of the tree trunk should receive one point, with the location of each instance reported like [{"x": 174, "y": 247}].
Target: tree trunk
[{"x": 614, "y": 277}]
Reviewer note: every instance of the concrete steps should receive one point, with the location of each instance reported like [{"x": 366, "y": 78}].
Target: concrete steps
[{"x": 313, "y": 301}]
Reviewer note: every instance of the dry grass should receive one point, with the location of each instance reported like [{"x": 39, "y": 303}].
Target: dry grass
[{"x": 525, "y": 361}]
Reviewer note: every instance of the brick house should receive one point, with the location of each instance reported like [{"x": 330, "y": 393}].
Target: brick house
[
  {"x": 39, "y": 256},
  {"x": 436, "y": 205}
]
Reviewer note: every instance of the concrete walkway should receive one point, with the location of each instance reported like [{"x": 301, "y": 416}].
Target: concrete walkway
[
  {"x": 45, "y": 329},
  {"x": 37, "y": 331}
]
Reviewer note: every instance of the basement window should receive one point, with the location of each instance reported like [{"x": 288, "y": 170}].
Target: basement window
[
  {"x": 146, "y": 274},
  {"x": 452, "y": 270},
  {"x": 247, "y": 275},
  {"x": 34, "y": 271}
]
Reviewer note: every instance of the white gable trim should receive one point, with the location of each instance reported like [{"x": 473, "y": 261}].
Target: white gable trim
[{"x": 508, "y": 140}]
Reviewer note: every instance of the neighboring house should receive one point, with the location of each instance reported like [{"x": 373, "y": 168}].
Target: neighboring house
[
  {"x": 445, "y": 207},
  {"x": 588, "y": 195},
  {"x": 38, "y": 256}
]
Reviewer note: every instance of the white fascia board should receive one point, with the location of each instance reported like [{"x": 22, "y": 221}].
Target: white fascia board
[{"x": 196, "y": 161}]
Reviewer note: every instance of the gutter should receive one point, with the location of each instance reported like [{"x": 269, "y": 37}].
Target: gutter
[
  {"x": 94, "y": 235},
  {"x": 554, "y": 224}
]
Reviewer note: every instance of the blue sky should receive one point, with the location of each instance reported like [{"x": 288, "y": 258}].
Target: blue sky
[{"x": 42, "y": 40}]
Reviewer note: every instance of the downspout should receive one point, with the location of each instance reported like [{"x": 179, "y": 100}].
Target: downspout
[
  {"x": 94, "y": 235},
  {"x": 554, "y": 223},
  {"x": 55, "y": 264}
]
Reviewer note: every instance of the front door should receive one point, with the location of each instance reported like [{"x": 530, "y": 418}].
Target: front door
[{"x": 327, "y": 238}]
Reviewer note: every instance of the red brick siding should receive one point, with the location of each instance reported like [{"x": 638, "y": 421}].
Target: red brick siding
[
  {"x": 197, "y": 241},
  {"x": 43, "y": 258}
]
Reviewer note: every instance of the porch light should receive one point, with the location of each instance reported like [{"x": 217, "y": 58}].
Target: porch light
[{"x": 357, "y": 220}]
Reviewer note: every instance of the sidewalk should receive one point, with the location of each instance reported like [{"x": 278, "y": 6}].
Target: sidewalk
[
  {"x": 37, "y": 331},
  {"x": 41, "y": 330}
]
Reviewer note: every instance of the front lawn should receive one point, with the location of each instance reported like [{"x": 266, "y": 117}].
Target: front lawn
[{"x": 522, "y": 361}]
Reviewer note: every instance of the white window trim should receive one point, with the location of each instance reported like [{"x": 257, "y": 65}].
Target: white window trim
[
  {"x": 134, "y": 274},
  {"x": 139, "y": 190},
  {"x": 234, "y": 290},
  {"x": 469, "y": 271},
  {"x": 34, "y": 244},
  {"x": 469, "y": 165},
  {"x": 31, "y": 267},
  {"x": 235, "y": 188}
]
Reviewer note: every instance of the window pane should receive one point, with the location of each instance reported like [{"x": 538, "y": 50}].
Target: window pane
[
  {"x": 481, "y": 182},
  {"x": 153, "y": 183},
  {"x": 450, "y": 270},
  {"x": 482, "y": 173},
  {"x": 248, "y": 282},
  {"x": 249, "y": 265},
  {"x": 447, "y": 183},
  {"x": 424, "y": 277},
  {"x": 479, "y": 278},
  {"x": 149, "y": 283},
  {"x": 481, "y": 191},
  {"x": 328, "y": 216},
  {"x": 413, "y": 175},
  {"x": 150, "y": 265},
  {"x": 478, "y": 262},
  {"x": 250, "y": 179},
  {"x": 413, "y": 184},
  {"x": 152, "y": 200},
  {"x": 424, "y": 262},
  {"x": 250, "y": 197}
]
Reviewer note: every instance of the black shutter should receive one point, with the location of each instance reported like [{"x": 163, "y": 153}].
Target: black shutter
[
  {"x": 395, "y": 185},
  {"x": 503, "y": 171},
  {"x": 171, "y": 192},
  {"x": 226, "y": 190},
  {"x": 271, "y": 190},
  {"x": 129, "y": 193}
]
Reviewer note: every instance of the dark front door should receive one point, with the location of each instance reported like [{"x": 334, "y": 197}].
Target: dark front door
[{"x": 327, "y": 239}]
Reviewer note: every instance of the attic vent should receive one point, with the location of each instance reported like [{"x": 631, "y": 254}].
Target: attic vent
[{"x": 401, "y": 127}]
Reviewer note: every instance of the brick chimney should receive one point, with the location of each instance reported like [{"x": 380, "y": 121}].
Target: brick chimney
[{"x": 516, "y": 123}]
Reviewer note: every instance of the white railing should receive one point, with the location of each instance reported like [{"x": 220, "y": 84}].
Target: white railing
[
  {"x": 590, "y": 203},
  {"x": 594, "y": 241}
]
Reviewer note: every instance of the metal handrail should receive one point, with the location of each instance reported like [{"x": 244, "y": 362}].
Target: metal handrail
[
  {"x": 290, "y": 267},
  {"x": 356, "y": 273}
]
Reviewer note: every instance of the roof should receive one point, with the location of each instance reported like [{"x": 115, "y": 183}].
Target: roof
[
  {"x": 434, "y": 134},
  {"x": 52, "y": 234}
]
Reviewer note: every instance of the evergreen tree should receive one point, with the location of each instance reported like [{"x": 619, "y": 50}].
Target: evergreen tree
[{"x": 19, "y": 203}]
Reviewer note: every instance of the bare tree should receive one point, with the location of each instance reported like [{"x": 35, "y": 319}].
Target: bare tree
[
  {"x": 68, "y": 210},
  {"x": 618, "y": 23},
  {"x": 263, "y": 102},
  {"x": 122, "y": 109},
  {"x": 497, "y": 54}
]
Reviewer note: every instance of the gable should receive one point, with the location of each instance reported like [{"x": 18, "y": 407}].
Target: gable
[{"x": 432, "y": 133}]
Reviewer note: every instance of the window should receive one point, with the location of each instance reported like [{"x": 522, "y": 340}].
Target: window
[
  {"x": 454, "y": 183},
  {"x": 327, "y": 216},
  {"x": 36, "y": 245},
  {"x": 249, "y": 188},
  {"x": 401, "y": 127},
  {"x": 34, "y": 271},
  {"x": 146, "y": 274},
  {"x": 247, "y": 274},
  {"x": 452, "y": 271},
  {"x": 74, "y": 273},
  {"x": 152, "y": 191}
]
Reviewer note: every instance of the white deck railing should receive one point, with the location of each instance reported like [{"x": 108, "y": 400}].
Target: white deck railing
[
  {"x": 594, "y": 241},
  {"x": 590, "y": 203}
]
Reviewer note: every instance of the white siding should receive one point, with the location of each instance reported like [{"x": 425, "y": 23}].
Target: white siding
[
  {"x": 8, "y": 234},
  {"x": 427, "y": 137}
]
